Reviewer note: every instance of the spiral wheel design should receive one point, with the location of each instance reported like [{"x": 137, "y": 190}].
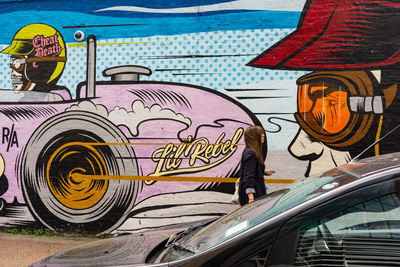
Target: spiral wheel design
[
  {"x": 76, "y": 193},
  {"x": 78, "y": 143}
]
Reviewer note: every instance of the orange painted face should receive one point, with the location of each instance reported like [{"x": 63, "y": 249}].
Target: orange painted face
[
  {"x": 338, "y": 108},
  {"x": 323, "y": 104}
]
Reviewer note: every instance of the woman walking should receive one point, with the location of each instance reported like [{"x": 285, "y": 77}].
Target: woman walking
[{"x": 251, "y": 184}]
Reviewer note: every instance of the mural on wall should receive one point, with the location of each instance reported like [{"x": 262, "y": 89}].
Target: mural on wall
[
  {"x": 105, "y": 106},
  {"x": 83, "y": 163}
]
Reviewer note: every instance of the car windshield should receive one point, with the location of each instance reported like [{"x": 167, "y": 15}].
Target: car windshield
[{"x": 260, "y": 211}]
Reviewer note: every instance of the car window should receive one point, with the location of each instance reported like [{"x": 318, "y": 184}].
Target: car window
[
  {"x": 10, "y": 96},
  {"x": 366, "y": 234}
]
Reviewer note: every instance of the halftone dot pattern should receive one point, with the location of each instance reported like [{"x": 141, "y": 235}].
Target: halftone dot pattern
[
  {"x": 5, "y": 70},
  {"x": 216, "y": 60}
]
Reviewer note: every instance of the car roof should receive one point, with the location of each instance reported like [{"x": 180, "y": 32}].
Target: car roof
[
  {"x": 352, "y": 176},
  {"x": 358, "y": 174},
  {"x": 368, "y": 166},
  {"x": 346, "y": 178}
]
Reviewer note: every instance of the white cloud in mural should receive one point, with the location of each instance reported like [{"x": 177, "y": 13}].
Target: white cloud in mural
[
  {"x": 275, "y": 5},
  {"x": 90, "y": 107},
  {"x": 141, "y": 113},
  {"x": 132, "y": 119}
]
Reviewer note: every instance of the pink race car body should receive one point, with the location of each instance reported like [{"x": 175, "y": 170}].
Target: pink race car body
[{"x": 128, "y": 129}]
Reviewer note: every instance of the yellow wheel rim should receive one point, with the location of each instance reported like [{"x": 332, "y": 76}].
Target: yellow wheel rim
[{"x": 71, "y": 191}]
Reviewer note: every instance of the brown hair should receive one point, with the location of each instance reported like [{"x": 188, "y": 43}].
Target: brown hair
[{"x": 252, "y": 138}]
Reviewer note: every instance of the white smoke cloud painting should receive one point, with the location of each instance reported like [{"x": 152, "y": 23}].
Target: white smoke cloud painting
[
  {"x": 132, "y": 119},
  {"x": 90, "y": 107}
]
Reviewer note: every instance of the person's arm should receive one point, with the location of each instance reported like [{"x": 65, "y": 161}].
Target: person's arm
[
  {"x": 249, "y": 175},
  {"x": 251, "y": 197},
  {"x": 269, "y": 172}
]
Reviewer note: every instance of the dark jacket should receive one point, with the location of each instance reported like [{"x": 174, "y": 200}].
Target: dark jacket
[{"x": 251, "y": 176}]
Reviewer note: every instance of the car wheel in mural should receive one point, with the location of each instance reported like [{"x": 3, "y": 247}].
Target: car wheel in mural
[{"x": 77, "y": 142}]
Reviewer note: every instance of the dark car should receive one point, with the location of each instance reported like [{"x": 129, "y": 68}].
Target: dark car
[{"x": 348, "y": 216}]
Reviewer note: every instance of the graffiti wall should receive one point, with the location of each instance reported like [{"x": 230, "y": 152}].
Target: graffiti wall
[{"x": 116, "y": 112}]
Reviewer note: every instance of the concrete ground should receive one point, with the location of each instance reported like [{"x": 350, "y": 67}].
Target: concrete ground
[{"x": 18, "y": 250}]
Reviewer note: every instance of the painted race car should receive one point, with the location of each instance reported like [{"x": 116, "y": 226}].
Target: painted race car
[{"x": 76, "y": 162}]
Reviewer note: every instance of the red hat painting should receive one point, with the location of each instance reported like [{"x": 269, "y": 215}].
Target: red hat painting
[{"x": 339, "y": 35}]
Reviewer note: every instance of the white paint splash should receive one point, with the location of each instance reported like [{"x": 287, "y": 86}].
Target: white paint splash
[
  {"x": 132, "y": 119},
  {"x": 273, "y": 5}
]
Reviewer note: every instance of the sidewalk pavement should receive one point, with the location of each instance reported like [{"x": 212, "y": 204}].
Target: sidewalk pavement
[{"x": 17, "y": 250}]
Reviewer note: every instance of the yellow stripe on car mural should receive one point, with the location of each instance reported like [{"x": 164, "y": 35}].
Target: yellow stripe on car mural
[
  {"x": 98, "y": 44},
  {"x": 173, "y": 178}
]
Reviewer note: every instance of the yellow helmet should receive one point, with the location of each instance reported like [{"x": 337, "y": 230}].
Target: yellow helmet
[{"x": 45, "y": 50}]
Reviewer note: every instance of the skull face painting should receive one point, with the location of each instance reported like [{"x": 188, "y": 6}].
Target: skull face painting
[{"x": 18, "y": 78}]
